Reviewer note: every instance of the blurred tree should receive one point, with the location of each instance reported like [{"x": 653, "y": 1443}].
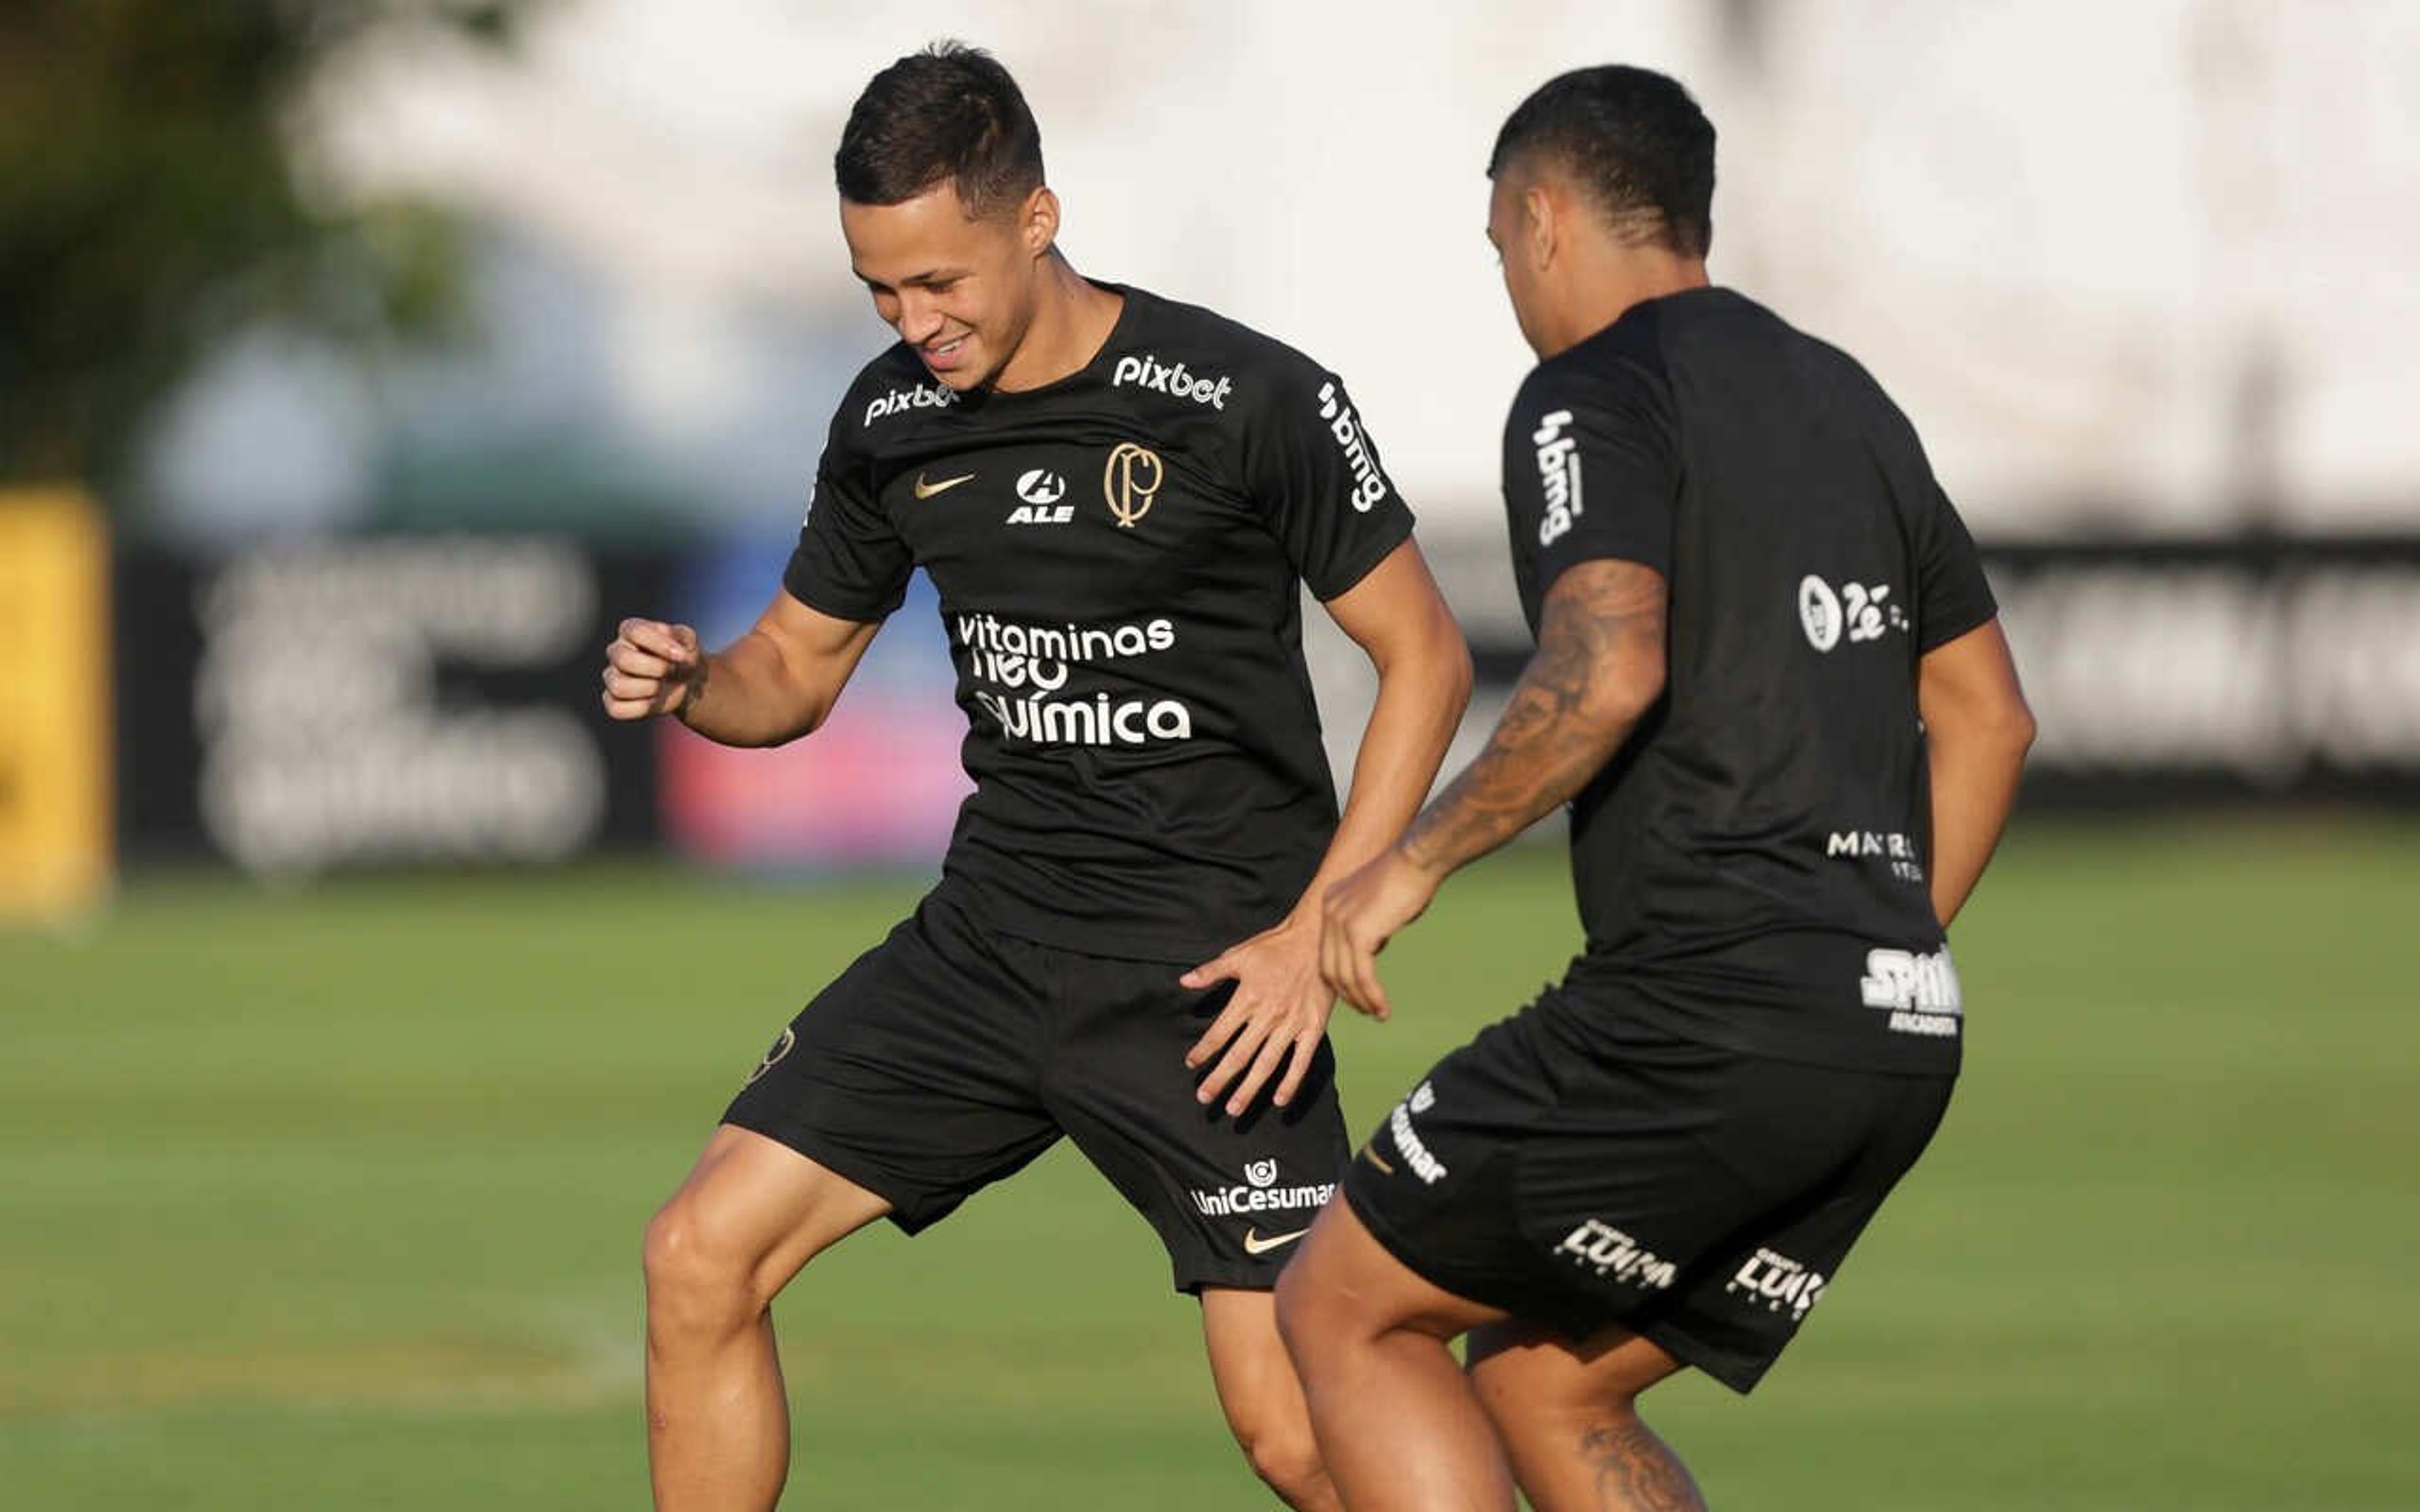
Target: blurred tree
[{"x": 152, "y": 198}]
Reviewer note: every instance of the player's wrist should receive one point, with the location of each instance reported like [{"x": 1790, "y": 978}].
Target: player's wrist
[
  {"x": 1412, "y": 855},
  {"x": 692, "y": 693}
]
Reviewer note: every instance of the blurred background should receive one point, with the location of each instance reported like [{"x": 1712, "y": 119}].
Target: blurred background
[{"x": 361, "y": 989}]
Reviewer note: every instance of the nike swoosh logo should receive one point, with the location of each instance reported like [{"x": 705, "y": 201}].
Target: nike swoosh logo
[
  {"x": 926, "y": 490},
  {"x": 1255, "y": 1245},
  {"x": 1370, "y": 1153}
]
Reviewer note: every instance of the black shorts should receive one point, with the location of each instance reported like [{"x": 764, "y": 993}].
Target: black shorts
[
  {"x": 949, "y": 1056},
  {"x": 1580, "y": 1176}
]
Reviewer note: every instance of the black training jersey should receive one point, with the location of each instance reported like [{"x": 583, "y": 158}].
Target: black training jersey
[
  {"x": 1750, "y": 865},
  {"x": 1119, "y": 557}
]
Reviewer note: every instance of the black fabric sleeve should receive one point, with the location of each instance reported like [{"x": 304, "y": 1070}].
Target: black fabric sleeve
[
  {"x": 1591, "y": 469},
  {"x": 1952, "y": 594},
  {"x": 849, "y": 562},
  {"x": 1309, "y": 465}
]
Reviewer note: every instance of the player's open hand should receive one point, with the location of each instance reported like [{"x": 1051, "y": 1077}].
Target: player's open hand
[
  {"x": 1360, "y": 914},
  {"x": 1276, "y": 1018},
  {"x": 652, "y": 668}
]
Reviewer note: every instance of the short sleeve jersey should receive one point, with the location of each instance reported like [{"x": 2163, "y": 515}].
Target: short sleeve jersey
[
  {"x": 1119, "y": 557},
  {"x": 1751, "y": 865}
]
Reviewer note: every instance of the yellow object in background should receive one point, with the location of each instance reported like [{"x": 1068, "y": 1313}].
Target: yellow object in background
[{"x": 57, "y": 786}]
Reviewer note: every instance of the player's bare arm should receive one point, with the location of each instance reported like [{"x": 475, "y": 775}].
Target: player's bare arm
[
  {"x": 1280, "y": 1005},
  {"x": 1598, "y": 667},
  {"x": 772, "y": 685},
  {"x": 1976, "y": 732}
]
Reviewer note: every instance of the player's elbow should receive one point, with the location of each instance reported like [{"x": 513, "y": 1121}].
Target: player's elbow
[
  {"x": 1998, "y": 727},
  {"x": 1450, "y": 666},
  {"x": 799, "y": 694},
  {"x": 1428, "y": 649},
  {"x": 2004, "y": 722},
  {"x": 2018, "y": 727}
]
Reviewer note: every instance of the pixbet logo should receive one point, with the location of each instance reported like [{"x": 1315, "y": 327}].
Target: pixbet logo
[
  {"x": 1369, "y": 483},
  {"x": 1145, "y": 370},
  {"x": 921, "y": 396},
  {"x": 1861, "y": 610},
  {"x": 1558, "y": 474}
]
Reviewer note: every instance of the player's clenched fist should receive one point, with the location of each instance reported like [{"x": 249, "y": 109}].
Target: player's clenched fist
[{"x": 652, "y": 668}]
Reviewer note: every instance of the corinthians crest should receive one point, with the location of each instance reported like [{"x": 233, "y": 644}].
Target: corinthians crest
[
  {"x": 781, "y": 1046},
  {"x": 1130, "y": 480}
]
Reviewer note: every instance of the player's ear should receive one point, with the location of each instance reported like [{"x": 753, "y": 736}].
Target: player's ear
[
  {"x": 1540, "y": 226},
  {"x": 1037, "y": 221}
]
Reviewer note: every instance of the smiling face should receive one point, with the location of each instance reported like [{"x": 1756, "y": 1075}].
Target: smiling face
[{"x": 961, "y": 289}]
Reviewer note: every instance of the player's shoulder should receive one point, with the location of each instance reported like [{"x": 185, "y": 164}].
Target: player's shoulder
[
  {"x": 1618, "y": 372},
  {"x": 884, "y": 400},
  {"x": 1192, "y": 355}
]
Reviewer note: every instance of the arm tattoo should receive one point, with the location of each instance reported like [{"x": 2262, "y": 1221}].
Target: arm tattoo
[
  {"x": 1598, "y": 667},
  {"x": 1638, "y": 1472}
]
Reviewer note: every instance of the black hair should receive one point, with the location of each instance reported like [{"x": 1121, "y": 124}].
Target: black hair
[
  {"x": 1633, "y": 140},
  {"x": 950, "y": 111}
]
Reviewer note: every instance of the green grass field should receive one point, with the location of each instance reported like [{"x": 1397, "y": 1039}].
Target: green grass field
[{"x": 333, "y": 1200}]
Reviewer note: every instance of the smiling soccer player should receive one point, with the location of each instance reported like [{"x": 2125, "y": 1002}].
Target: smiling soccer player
[{"x": 1119, "y": 498}]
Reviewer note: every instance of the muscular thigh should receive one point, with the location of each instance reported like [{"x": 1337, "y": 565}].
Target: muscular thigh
[{"x": 757, "y": 1206}]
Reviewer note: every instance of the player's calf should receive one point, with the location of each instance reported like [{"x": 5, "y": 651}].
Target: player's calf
[{"x": 1568, "y": 1416}]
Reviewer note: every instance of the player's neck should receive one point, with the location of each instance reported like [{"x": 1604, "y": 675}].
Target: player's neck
[
  {"x": 1072, "y": 321},
  {"x": 1608, "y": 289}
]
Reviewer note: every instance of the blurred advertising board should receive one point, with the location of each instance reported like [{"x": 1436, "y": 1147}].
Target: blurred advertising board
[
  {"x": 395, "y": 701},
  {"x": 2240, "y": 669},
  {"x": 306, "y": 707},
  {"x": 55, "y": 854},
  {"x": 376, "y": 701}
]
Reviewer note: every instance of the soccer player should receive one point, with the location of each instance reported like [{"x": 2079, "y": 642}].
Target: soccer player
[
  {"x": 1766, "y": 654},
  {"x": 1118, "y": 497}
]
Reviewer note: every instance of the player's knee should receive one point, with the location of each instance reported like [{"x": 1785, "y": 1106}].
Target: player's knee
[
  {"x": 1298, "y": 1313},
  {"x": 1285, "y": 1456},
  {"x": 694, "y": 1283},
  {"x": 1314, "y": 1316}
]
